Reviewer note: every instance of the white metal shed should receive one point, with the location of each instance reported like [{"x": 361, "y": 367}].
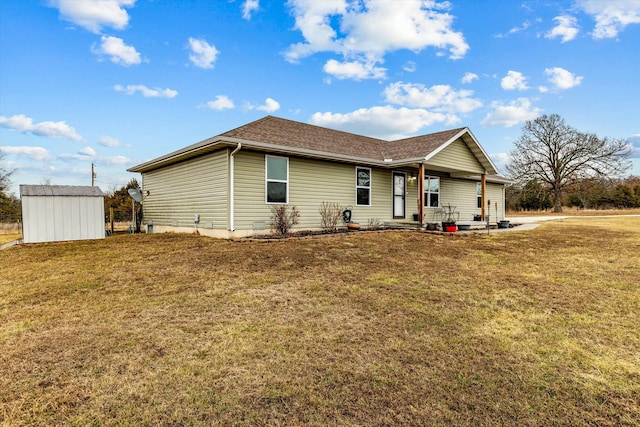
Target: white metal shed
[{"x": 52, "y": 213}]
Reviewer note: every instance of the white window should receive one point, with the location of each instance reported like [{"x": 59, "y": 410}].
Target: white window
[
  {"x": 479, "y": 195},
  {"x": 363, "y": 186},
  {"x": 277, "y": 179},
  {"x": 431, "y": 191}
]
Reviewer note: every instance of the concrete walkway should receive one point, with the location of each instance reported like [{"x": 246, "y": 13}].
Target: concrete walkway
[{"x": 532, "y": 219}]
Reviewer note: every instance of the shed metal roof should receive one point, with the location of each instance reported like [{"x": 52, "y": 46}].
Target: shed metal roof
[{"x": 60, "y": 190}]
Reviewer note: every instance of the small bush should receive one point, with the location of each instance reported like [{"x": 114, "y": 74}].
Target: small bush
[
  {"x": 330, "y": 215},
  {"x": 283, "y": 218}
]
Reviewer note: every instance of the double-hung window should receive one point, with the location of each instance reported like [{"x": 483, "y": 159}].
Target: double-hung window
[
  {"x": 277, "y": 179},
  {"x": 363, "y": 186},
  {"x": 479, "y": 195},
  {"x": 431, "y": 191}
]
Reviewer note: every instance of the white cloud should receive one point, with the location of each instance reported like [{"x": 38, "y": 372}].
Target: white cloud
[
  {"x": 469, "y": 77},
  {"x": 611, "y": 16},
  {"x": 202, "y": 54},
  {"x": 38, "y": 154},
  {"x": 501, "y": 160},
  {"x": 87, "y": 151},
  {"x": 117, "y": 50},
  {"x": 270, "y": 105},
  {"x": 567, "y": 28},
  {"x": 115, "y": 160},
  {"x": 409, "y": 67},
  {"x": 543, "y": 89},
  {"x": 514, "y": 80},
  {"x": 249, "y": 7},
  {"x": 561, "y": 78},
  {"x": 515, "y": 30},
  {"x": 109, "y": 141},
  {"x": 146, "y": 92},
  {"x": 385, "y": 122},
  {"x": 94, "y": 14},
  {"x": 353, "y": 70},
  {"x": 222, "y": 102},
  {"x": 84, "y": 154},
  {"x": 373, "y": 28},
  {"x": 23, "y": 124},
  {"x": 439, "y": 98},
  {"x": 89, "y": 154},
  {"x": 633, "y": 141},
  {"x": 515, "y": 112}
]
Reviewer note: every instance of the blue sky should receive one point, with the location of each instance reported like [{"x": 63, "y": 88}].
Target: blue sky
[{"x": 118, "y": 82}]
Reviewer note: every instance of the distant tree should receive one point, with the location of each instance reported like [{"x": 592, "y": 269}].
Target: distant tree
[
  {"x": 556, "y": 154},
  {"x": 9, "y": 203},
  {"x": 590, "y": 193},
  {"x": 5, "y": 175},
  {"x": 534, "y": 197},
  {"x": 120, "y": 201}
]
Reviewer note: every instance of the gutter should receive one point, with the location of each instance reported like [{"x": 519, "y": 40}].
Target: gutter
[{"x": 232, "y": 213}]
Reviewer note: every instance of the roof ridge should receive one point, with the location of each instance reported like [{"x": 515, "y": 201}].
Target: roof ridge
[{"x": 324, "y": 128}]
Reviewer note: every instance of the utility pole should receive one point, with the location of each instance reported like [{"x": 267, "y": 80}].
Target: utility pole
[{"x": 93, "y": 175}]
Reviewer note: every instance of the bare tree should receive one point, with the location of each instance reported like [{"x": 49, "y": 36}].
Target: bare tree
[
  {"x": 556, "y": 154},
  {"x": 9, "y": 203},
  {"x": 5, "y": 176}
]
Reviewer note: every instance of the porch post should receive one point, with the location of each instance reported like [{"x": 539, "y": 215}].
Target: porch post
[
  {"x": 483, "y": 190},
  {"x": 421, "y": 194}
]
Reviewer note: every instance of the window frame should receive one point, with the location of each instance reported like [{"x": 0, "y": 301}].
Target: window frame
[
  {"x": 478, "y": 195},
  {"x": 427, "y": 191},
  {"x": 362, "y": 186},
  {"x": 267, "y": 180}
]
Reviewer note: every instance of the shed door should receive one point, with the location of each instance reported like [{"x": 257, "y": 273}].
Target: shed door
[{"x": 399, "y": 192}]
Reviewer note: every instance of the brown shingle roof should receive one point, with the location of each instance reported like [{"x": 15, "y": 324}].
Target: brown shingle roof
[
  {"x": 288, "y": 133},
  {"x": 419, "y": 146}
]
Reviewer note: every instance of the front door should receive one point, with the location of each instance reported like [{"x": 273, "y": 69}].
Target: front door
[{"x": 399, "y": 191}]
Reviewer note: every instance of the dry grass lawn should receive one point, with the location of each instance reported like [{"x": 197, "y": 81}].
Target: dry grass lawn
[{"x": 396, "y": 328}]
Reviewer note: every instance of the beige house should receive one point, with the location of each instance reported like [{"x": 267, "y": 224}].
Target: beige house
[{"x": 228, "y": 183}]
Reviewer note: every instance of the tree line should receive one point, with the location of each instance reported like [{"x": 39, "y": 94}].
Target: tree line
[
  {"x": 588, "y": 193},
  {"x": 555, "y": 165}
]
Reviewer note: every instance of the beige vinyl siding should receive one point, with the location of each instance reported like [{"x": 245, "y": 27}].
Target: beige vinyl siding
[
  {"x": 197, "y": 186},
  {"x": 495, "y": 193},
  {"x": 462, "y": 194},
  {"x": 457, "y": 156},
  {"x": 310, "y": 183}
]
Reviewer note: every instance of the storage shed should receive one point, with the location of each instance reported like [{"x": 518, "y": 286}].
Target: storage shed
[{"x": 52, "y": 213}]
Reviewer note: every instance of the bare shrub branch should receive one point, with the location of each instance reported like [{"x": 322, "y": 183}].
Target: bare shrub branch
[
  {"x": 283, "y": 218},
  {"x": 330, "y": 215}
]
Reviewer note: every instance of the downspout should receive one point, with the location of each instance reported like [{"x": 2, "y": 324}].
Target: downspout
[
  {"x": 232, "y": 214},
  {"x": 483, "y": 195},
  {"x": 421, "y": 194}
]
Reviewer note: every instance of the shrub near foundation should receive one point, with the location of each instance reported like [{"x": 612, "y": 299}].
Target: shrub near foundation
[
  {"x": 330, "y": 215},
  {"x": 283, "y": 218}
]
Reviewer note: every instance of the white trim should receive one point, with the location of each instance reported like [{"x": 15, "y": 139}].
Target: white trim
[
  {"x": 428, "y": 187},
  {"x": 267, "y": 180},
  {"x": 232, "y": 207},
  {"x": 360, "y": 186}
]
